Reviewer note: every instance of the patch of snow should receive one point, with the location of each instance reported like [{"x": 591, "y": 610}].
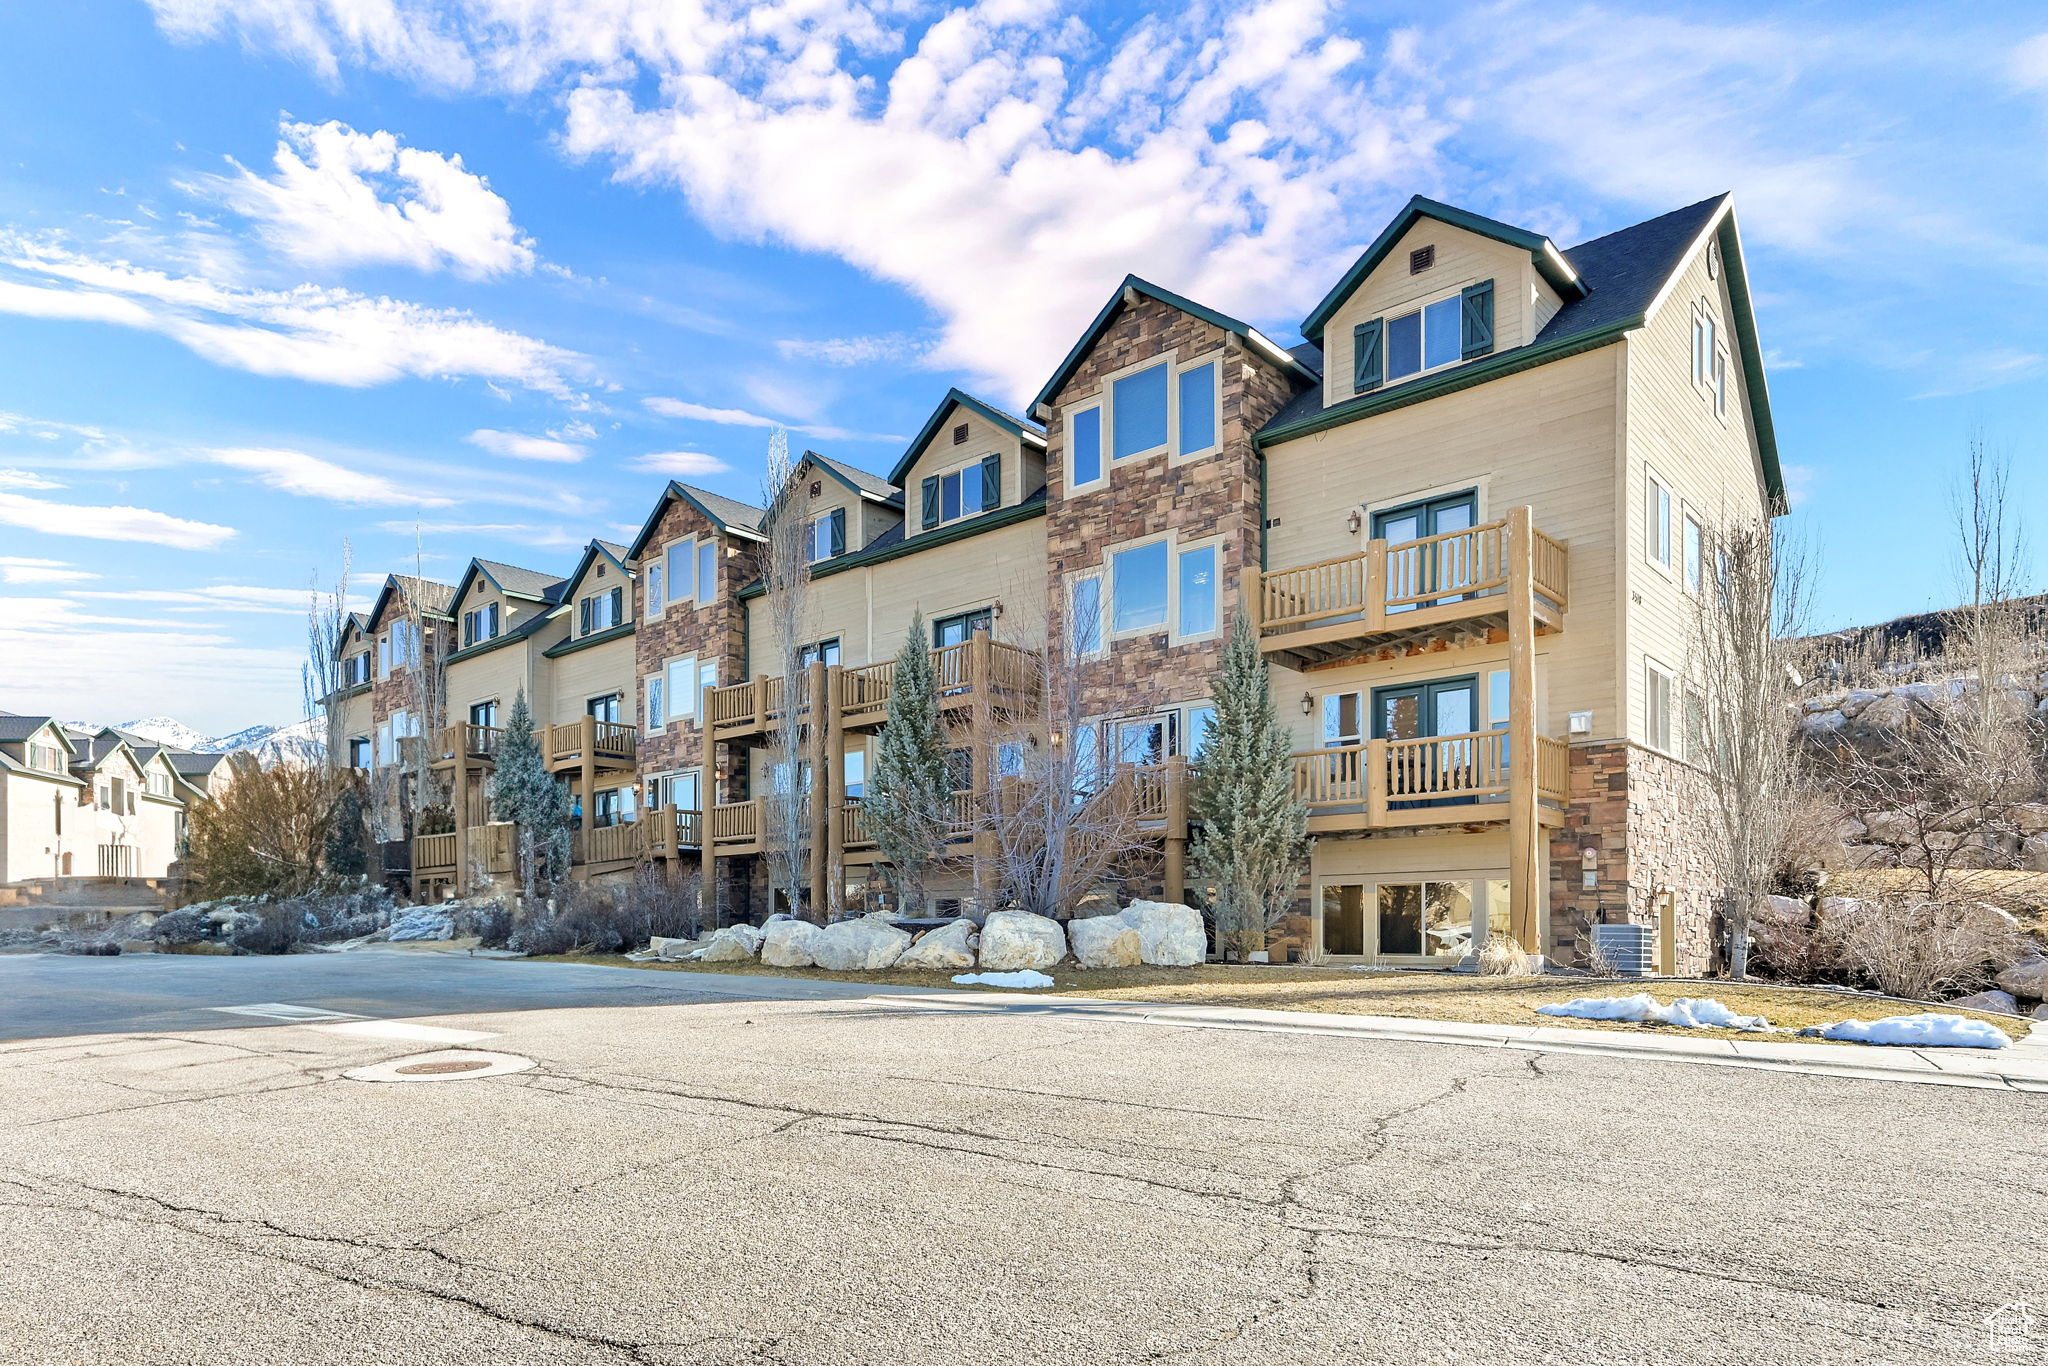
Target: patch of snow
[
  {"x": 1023, "y": 977},
  {"x": 1688, "y": 1012},
  {"x": 1921, "y": 1031}
]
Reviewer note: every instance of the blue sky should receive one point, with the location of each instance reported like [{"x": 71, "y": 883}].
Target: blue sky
[{"x": 472, "y": 278}]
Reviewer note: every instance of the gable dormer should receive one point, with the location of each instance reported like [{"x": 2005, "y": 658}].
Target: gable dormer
[
  {"x": 970, "y": 458},
  {"x": 354, "y": 648},
  {"x": 1438, "y": 288},
  {"x": 687, "y": 548},
  {"x": 494, "y": 601},
  {"x": 39, "y": 744},
  {"x": 843, "y": 507},
  {"x": 598, "y": 597}
]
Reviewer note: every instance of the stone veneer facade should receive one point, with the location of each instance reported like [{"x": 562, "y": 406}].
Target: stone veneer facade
[
  {"x": 1631, "y": 805},
  {"x": 1213, "y": 495}
]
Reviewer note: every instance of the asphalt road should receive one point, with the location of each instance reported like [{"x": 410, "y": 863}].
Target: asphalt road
[{"x": 688, "y": 1177}]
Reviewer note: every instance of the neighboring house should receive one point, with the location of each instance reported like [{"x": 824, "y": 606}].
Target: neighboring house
[
  {"x": 105, "y": 804},
  {"x": 1469, "y": 514}
]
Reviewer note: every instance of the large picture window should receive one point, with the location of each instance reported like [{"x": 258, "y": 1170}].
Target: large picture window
[
  {"x": 1139, "y": 587},
  {"x": 1138, "y": 412}
]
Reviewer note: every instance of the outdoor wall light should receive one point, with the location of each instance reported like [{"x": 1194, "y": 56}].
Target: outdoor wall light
[
  {"x": 1308, "y": 704},
  {"x": 1355, "y": 521}
]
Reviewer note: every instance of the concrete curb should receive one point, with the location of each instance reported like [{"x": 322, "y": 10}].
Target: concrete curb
[{"x": 2023, "y": 1067}]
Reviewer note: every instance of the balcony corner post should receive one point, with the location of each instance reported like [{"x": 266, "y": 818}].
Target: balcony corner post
[
  {"x": 1375, "y": 617},
  {"x": 1526, "y": 880}
]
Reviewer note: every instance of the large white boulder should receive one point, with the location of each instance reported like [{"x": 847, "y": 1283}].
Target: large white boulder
[
  {"x": 787, "y": 944},
  {"x": 1105, "y": 941},
  {"x": 662, "y": 946},
  {"x": 864, "y": 945},
  {"x": 748, "y": 935},
  {"x": 1169, "y": 934},
  {"x": 949, "y": 948},
  {"x": 1999, "y": 1002},
  {"x": 2028, "y": 977},
  {"x": 422, "y": 923},
  {"x": 1018, "y": 939},
  {"x": 725, "y": 948}
]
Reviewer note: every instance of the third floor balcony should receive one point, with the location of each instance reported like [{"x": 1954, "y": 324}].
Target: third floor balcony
[{"x": 1456, "y": 583}]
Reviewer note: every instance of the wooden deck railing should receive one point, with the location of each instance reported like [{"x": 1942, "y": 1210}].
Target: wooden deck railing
[
  {"x": 608, "y": 843},
  {"x": 471, "y": 741},
  {"x": 1390, "y": 778},
  {"x": 1384, "y": 583},
  {"x": 609, "y": 741},
  {"x": 862, "y": 691},
  {"x": 855, "y": 835},
  {"x": 433, "y": 853},
  {"x": 734, "y": 823}
]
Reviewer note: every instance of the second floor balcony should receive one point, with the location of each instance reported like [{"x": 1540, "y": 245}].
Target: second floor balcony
[
  {"x": 1005, "y": 676},
  {"x": 599, "y": 744},
  {"x": 1437, "y": 780},
  {"x": 1465, "y": 581}
]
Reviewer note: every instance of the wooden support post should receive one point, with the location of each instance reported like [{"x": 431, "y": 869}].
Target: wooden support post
[
  {"x": 824, "y": 780},
  {"x": 1526, "y": 880},
  {"x": 459, "y": 801},
  {"x": 585, "y": 821},
  {"x": 1175, "y": 879},
  {"x": 834, "y": 846},
  {"x": 1375, "y": 616},
  {"x": 981, "y": 754}
]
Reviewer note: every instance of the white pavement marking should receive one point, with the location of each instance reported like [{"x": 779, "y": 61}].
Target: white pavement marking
[
  {"x": 401, "y": 1029},
  {"x": 277, "y": 1010},
  {"x": 448, "y": 1064}
]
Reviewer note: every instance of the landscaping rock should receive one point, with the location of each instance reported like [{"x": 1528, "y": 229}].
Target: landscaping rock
[
  {"x": 2028, "y": 977},
  {"x": 1018, "y": 939},
  {"x": 2034, "y": 853},
  {"x": 2041, "y": 1011},
  {"x": 1169, "y": 934},
  {"x": 949, "y": 948},
  {"x": 1892, "y": 827},
  {"x": 1789, "y": 909},
  {"x": 1999, "y": 1001},
  {"x": 2032, "y": 817},
  {"x": 1868, "y": 855},
  {"x": 422, "y": 922},
  {"x": 665, "y": 947},
  {"x": 864, "y": 945},
  {"x": 725, "y": 948},
  {"x": 787, "y": 944},
  {"x": 1105, "y": 941}
]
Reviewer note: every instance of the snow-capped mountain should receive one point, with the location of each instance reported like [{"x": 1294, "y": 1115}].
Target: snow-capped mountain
[{"x": 302, "y": 742}]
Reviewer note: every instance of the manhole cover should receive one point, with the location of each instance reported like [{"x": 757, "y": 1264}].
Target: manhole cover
[{"x": 447, "y": 1064}]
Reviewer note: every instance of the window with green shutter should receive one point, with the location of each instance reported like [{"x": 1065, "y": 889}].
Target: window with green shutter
[
  {"x": 931, "y": 502},
  {"x": 991, "y": 481},
  {"x": 1368, "y": 358},
  {"x": 1476, "y": 321}
]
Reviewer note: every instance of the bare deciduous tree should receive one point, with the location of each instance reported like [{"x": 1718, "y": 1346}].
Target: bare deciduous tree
[
  {"x": 786, "y": 577},
  {"x": 1062, "y": 822},
  {"x": 1745, "y": 676},
  {"x": 326, "y": 621},
  {"x": 264, "y": 831}
]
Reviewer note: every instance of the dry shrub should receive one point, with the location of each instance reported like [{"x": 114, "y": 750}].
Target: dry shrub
[
  {"x": 1919, "y": 948},
  {"x": 614, "y": 919},
  {"x": 1502, "y": 955},
  {"x": 264, "y": 832}
]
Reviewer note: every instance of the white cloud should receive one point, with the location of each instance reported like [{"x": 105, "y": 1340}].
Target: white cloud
[
  {"x": 340, "y": 197},
  {"x": 22, "y": 479},
  {"x": 57, "y": 656},
  {"x": 892, "y": 348},
  {"x": 328, "y": 336},
  {"x": 311, "y": 477},
  {"x": 519, "y": 446},
  {"x": 679, "y": 463},
  {"x": 110, "y": 523},
  {"x": 220, "y": 597},
  {"x": 20, "y": 569},
  {"x": 740, "y": 417},
  {"x": 550, "y": 536}
]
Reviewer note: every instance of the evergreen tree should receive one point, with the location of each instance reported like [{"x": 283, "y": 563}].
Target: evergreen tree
[
  {"x": 346, "y": 852},
  {"x": 1253, "y": 847},
  {"x": 909, "y": 799},
  {"x": 525, "y": 793}
]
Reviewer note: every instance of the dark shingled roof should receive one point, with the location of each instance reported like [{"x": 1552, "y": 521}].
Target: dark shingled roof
[
  {"x": 1622, "y": 271},
  {"x": 614, "y": 549},
  {"x": 529, "y": 583},
  {"x": 731, "y": 511},
  {"x": 13, "y": 727},
  {"x": 192, "y": 765},
  {"x": 425, "y": 593},
  {"x": 858, "y": 477}
]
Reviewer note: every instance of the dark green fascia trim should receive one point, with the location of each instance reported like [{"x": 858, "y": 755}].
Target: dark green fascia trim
[
  {"x": 929, "y": 540},
  {"x": 496, "y": 642},
  {"x": 936, "y": 420},
  {"x": 1753, "y": 380},
  {"x": 575, "y": 643},
  {"x": 1450, "y": 382},
  {"x": 1548, "y": 258},
  {"x": 1073, "y": 359},
  {"x": 344, "y": 694}
]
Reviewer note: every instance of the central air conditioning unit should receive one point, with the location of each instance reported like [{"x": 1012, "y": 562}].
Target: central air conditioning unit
[{"x": 1630, "y": 948}]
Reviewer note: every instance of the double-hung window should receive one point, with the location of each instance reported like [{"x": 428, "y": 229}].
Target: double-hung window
[
  {"x": 1423, "y": 339},
  {"x": 1139, "y": 587},
  {"x": 1201, "y": 720},
  {"x": 656, "y": 576},
  {"x": 707, "y": 571},
  {"x": 1084, "y": 447},
  {"x": 1084, "y": 605},
  {"x": 1158, "y": 585},
  {"x": 1656, "y": 705},
  {"x": 480, "y": 624},
  {"x": 828, "y": 535},
  {"x": 601, "y": 611},
  {"x": 680, "y": 694},
  {"x": 1137, "y": 404},
  {"x": 1657, "y": 518},
  {"x": 682, "y": 573},
  {"x": 657, "y": 713},
  {"x": 1197, "y": 591},
  {"x": 1196, "y": 399}
]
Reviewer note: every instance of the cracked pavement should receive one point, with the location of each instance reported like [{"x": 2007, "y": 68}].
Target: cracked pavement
[{"x": 784, "y": 1177}]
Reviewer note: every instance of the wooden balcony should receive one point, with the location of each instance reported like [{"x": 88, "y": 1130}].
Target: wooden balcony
[
  {"x": 608, "y": 846},
  {"x": 856, "y": 839},
  {"x": 1457, "y": 584},
  {"x": 1006, "y": 675},
  {"x": 433, "y": 854},
  {"x": 672, "y": 831},
  {"x": 601, "y": 744},
  {"x": 472, "y": 743},
  {"x": 1442, "y": 780},
  {"x": 734, "y": 828},
  {"x": 492, "y": 849}
]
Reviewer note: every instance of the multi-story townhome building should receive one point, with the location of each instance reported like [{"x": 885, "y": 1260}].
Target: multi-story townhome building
[
  {"x": 101, "y": 804},
  {"x": 1469, "y": 514}
]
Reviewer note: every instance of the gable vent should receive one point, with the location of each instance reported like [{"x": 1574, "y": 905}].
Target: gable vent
[
  {"x": 817, "y": 487},
  {"x": 960, "y": 435},
  {"x": 1421, "y": 259}
]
